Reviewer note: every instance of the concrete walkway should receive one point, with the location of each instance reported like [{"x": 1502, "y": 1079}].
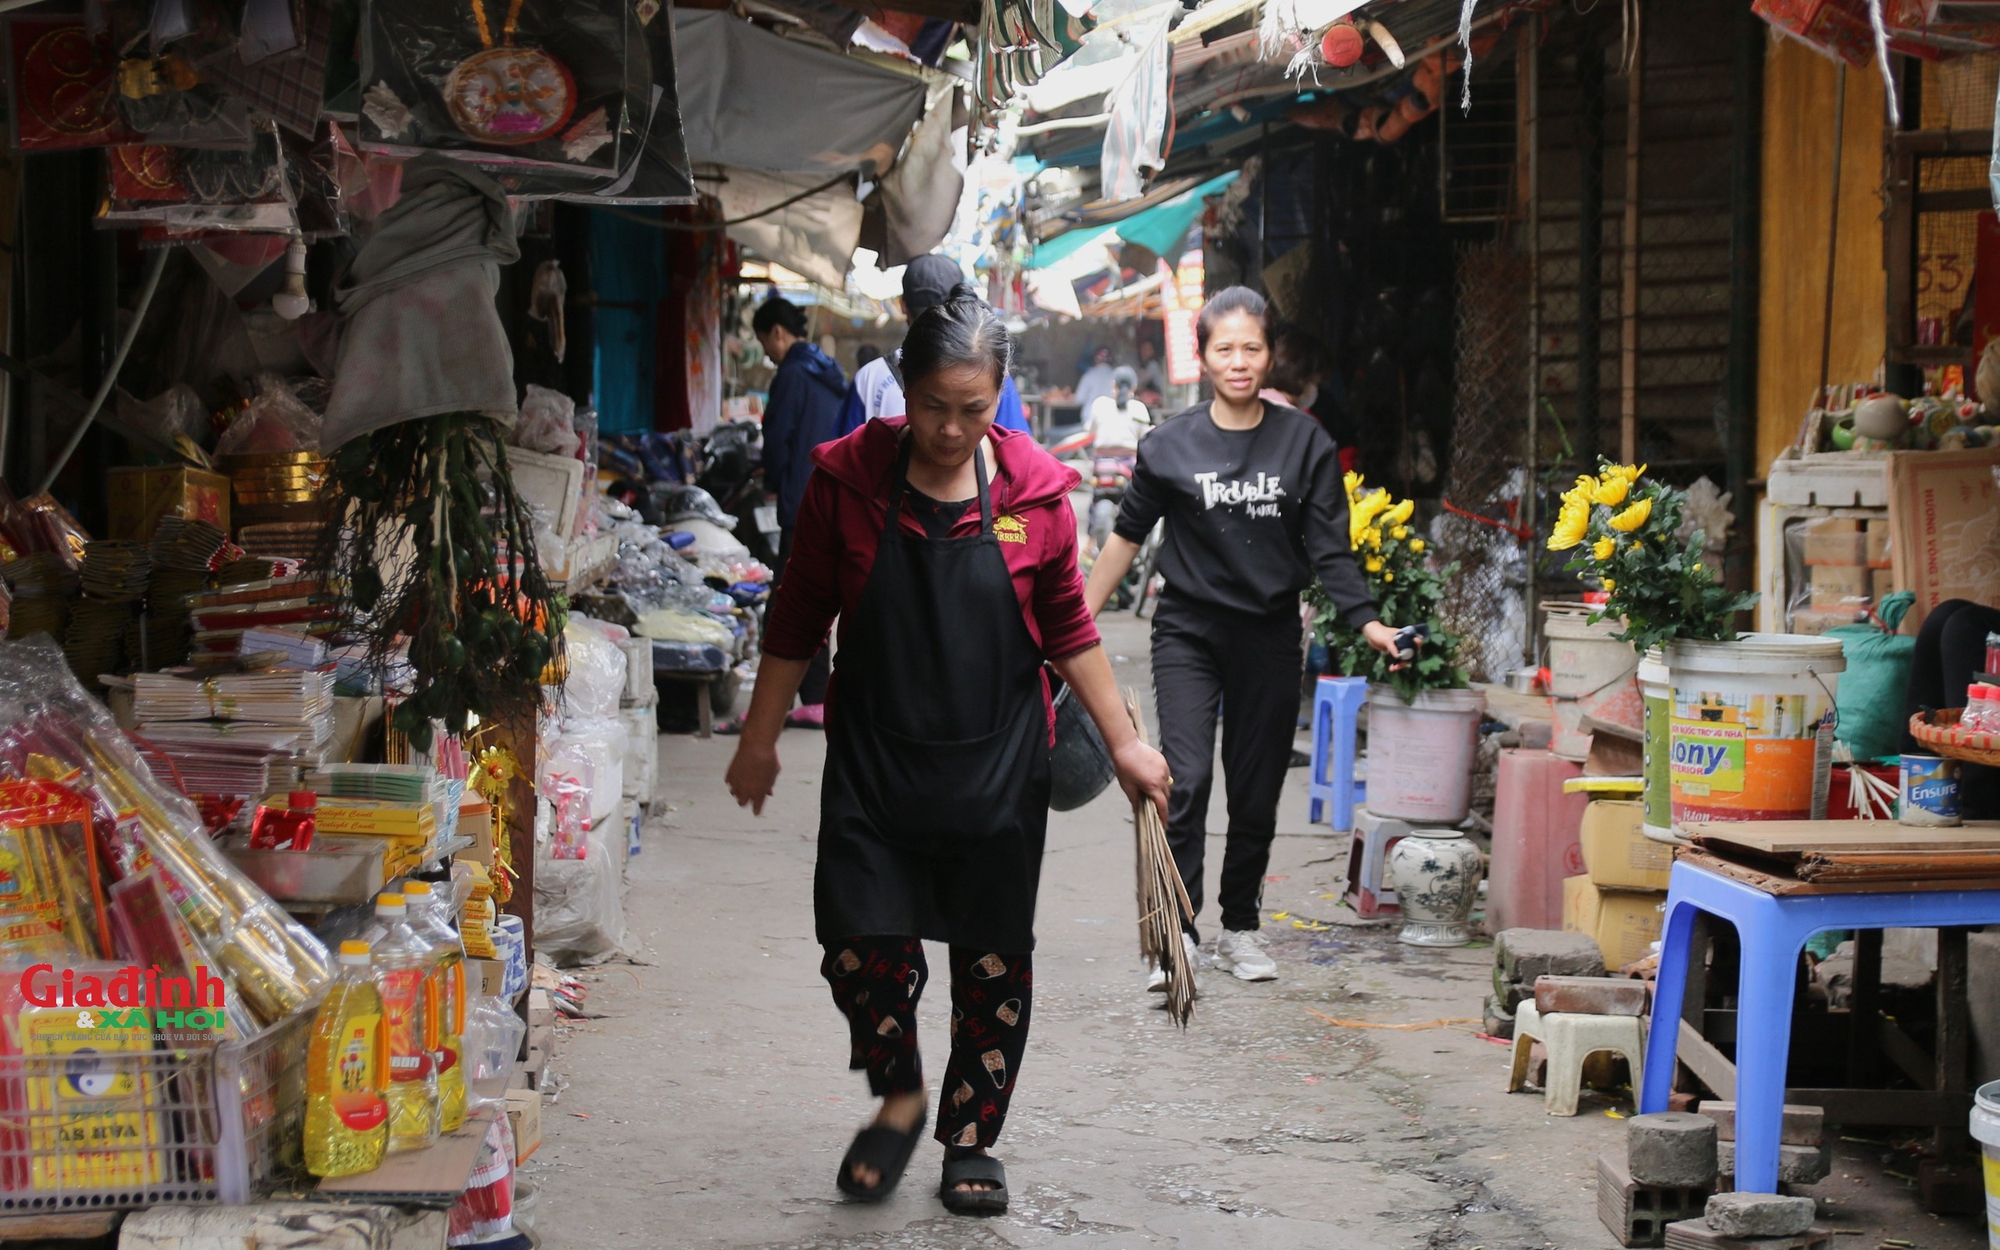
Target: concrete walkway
[{"x": 710, "y": 1106}]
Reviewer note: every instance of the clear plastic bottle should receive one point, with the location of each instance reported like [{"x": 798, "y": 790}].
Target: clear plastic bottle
[
  {"x": 1982, "y": 708},
  {"x": 347, "y": 1070},
  {"x": 447, "y": 999},
  {"x": 403, "y": 962}
]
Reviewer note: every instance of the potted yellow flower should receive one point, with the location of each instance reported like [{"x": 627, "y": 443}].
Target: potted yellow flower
[{"x": 1420, "y": 715}]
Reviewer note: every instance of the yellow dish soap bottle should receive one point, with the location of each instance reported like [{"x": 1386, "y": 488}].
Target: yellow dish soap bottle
[
  {"x": 403, "y": 960},
  {"x": 448, "y": 976},
  {"x": 347, "y": 1068}
]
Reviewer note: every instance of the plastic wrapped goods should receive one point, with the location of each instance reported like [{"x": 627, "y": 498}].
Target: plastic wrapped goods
[
  {"x": 579, "y": 905},
  {"x": 596, "y": 678}
]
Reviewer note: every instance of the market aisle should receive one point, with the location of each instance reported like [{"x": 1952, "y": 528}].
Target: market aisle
[{"x": 718, "y": 1104}]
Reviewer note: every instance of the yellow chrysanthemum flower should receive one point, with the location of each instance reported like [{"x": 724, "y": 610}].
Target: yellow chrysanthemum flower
[
  {"x": 1400, "y": 514},
  {"x": 1571, "y": 524},
  {"x": 1417, "y": 545},
  {"x": 1637, "y": 545},
  {"x": 1374, "y": 564},
  {"x": 1400, "y": 533},
  {"x": 1388, "y": 577},
  {"x": 1604, "y": 548},
  {"x": 1633, "y": 517},
  {"x": 1611, "y": 491},
  {"x": 1609, "y": 585}
]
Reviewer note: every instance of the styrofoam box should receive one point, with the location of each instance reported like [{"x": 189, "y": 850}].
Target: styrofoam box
[{"x": 1843, "y": 479}]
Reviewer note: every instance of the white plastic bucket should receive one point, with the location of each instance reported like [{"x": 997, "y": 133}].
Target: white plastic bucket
[
  {"x": 1744, "y": 724},
  {"x": 1986, "y": 1131},
  {"x": 1591, "y": 674},
  {"x": 1420, "y": 754},
  {"x": 1657, "y": 695}
]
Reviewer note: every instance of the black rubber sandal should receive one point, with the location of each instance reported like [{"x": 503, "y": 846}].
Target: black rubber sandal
[
  {"x": 884, "y": 1149},
  {"x": 959, "y": 1169}
]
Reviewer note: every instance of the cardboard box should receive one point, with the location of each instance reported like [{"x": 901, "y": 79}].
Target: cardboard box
[
  {"x": 1944, "y": 514},
  {"x": 1616, "y": 853},
  {"x": 1838, "y": 585},
  {"x": 1835, "y": 541},
  {"x": 1879, "y": 548},
  {"x": 1624, "y": 923},
  {"x": 1881, "y": 583},
  {"x": 139, "y": 497},
  {"x": 1819, "y": 620},
  {"x": 475, "y": 821},
  {"x": 524, "y": 1112}
]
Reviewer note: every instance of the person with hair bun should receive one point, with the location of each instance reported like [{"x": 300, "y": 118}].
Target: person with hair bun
[
  {"x": 1255, "y": 506},
  {"x": 947, "y": 549}
]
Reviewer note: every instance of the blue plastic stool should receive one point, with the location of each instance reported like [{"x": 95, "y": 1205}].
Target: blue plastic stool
[
  {"x": 1336, "y": 706},
  {"x": 1773, "y": 931}
]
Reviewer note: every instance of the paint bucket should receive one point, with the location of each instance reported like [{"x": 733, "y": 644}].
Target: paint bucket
[
  {"x": 1420, "y": 754},
  {"x": 1743, "y": 728},
  {"x": 1986, "y": 1131},
  {"x": 1929, "y": 792},
  {"x": 1591, "y": 674},
  {"x": 1656, "y": 693}
]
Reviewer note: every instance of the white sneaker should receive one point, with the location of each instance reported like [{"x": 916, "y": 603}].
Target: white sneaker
[
  {"x": 1156, "y": 980},
  {"x": 1241, "y": 952}
]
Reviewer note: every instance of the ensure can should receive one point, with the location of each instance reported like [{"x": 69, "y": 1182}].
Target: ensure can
[{"x": 1929, "y": 792}]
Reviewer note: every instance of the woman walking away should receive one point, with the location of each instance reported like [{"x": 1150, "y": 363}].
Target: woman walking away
[
  {"x": 1255, "y": 506},
  {"x": 947, "y": 549}
]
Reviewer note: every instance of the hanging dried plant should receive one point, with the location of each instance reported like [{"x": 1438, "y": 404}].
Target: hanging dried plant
[{"x": 435, "y": 547}]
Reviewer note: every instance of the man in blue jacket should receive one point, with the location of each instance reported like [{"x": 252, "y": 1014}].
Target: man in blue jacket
[{"x": 803, "y": 412}]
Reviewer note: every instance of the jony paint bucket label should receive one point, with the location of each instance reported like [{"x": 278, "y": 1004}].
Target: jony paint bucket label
[{"x": 1741, "y": 756}]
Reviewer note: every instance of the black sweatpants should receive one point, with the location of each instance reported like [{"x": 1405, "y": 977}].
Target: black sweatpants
[
  {"x": 1246, "y": 668},
  {"x": 1950, "y": 652},
  {"x": 877, "y": 982}
]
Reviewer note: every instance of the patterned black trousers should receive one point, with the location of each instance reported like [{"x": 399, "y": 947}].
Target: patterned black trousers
[{"x": 877, "y": 982}]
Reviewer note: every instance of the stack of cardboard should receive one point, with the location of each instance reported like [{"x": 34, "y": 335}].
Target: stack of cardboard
[{"x": 1617, "y": 899}]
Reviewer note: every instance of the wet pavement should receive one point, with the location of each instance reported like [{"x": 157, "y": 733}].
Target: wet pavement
[{"x": 710, "y": 1104}]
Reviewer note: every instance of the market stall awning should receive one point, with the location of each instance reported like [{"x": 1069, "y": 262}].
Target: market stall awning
[{"x": 1159, "y": 228}]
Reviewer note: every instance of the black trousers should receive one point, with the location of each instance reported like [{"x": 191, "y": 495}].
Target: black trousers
[
  {"x": 1950, "y": 652},
  {"x": 812, "y": 688},
  {"x": 1246, "y": 669},
  {"x": 877, "y": 982}
]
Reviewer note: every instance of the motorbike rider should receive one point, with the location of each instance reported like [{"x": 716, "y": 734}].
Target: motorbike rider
[{"x": 1115, "y": 424}]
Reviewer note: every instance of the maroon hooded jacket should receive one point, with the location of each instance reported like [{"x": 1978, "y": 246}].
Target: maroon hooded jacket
[{"x": 847, "y": 502}]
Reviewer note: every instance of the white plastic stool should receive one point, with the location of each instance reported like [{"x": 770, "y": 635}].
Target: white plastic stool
[
  {"x": 1368, "y": 890},
  {"x": 1570, "y": 1039}
]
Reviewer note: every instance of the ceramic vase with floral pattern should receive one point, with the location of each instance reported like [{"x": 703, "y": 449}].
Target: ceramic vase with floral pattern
[{"x": 1436, "y": 873}]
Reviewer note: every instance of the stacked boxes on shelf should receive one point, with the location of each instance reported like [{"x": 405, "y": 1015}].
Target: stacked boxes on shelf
[{"x": 1617, "y": 899}]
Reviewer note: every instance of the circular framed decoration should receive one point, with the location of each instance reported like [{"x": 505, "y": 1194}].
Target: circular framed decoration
[{"x": 509, "y": 95}]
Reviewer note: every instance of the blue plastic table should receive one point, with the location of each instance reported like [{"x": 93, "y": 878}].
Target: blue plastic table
[{"x": 1773, "y": 930}]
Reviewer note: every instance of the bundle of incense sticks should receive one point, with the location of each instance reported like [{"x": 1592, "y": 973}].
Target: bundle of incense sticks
[{"x": 1164, "y": 908}]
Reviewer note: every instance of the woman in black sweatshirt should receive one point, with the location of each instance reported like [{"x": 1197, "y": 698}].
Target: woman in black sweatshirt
[{"x": 1255, "y": 505}]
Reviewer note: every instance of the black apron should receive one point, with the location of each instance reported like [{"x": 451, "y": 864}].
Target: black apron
[{"x": 935, "y": 802}]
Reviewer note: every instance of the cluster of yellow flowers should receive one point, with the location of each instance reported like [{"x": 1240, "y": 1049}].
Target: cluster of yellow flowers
[
  {"x": 1372, "y": 517},
  {"x": 1609, "y": 489}
]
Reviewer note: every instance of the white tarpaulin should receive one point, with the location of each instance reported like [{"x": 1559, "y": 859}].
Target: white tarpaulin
[
  {"x": 754, "y": 100},
  {"x": 920, "y": 195},
  {"x": 1138, "y": 122},
  {"x": 814, "y": 237}
]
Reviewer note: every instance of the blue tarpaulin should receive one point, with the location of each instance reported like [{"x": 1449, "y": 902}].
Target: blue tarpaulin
[{"x": 1159, "y": 229}]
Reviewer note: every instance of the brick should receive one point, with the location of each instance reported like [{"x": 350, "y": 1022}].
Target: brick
[
  {"x": 1497, "y": 1021},
  {"x": 1511, "y": 993},
  {"x": 1679, "y": 1101},
  {"x": 1802, "y": 1126},
  {"x": 1671, "y": 1149},
  {"x": 1797, "y": 1165},
  {"x": 1591, "y": 996},
  {"x": 1523, "y": 955},
  {"x": 1636, "y": 1214},
  {"x": 1760, "y": 1215},
  {"x": 1697, "y": 1235}
]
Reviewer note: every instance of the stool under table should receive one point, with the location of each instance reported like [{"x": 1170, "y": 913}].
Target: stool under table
[{"x": 1773, "y": 929}]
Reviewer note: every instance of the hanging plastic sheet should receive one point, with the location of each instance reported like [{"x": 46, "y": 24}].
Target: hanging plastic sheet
[
  {"x": 815, "y": 237},
  {"x": 1139, "y": 110},
  {"x": 920, "y": 195},
  {"x": 754, "y": 100}
]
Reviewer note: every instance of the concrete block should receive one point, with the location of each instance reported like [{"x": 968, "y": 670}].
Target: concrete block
[
  {"x": 1591, "y": 996},
  {"x": 1497, "y": 1020},
  {"x": 1803, "y": 1126},
  {"x": 319, "y": 1225},
  {"x": 1760, "y": 1215},
  {"x": 1638, "y": 1215},
  {"x": 1511, "y": 993},
  {"x": 1697, "y": 1235},
  {"x": 1797, "y": 1165},
  {"x": 1523, "y": 955},
  {"x": 1672, "y": 1149}
]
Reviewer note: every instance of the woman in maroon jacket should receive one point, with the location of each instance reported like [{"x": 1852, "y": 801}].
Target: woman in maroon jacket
[{"x": 947, "y": 549}]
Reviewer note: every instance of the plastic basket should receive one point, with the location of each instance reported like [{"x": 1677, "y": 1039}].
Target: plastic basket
[{"x": 90, "y": 1131}]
